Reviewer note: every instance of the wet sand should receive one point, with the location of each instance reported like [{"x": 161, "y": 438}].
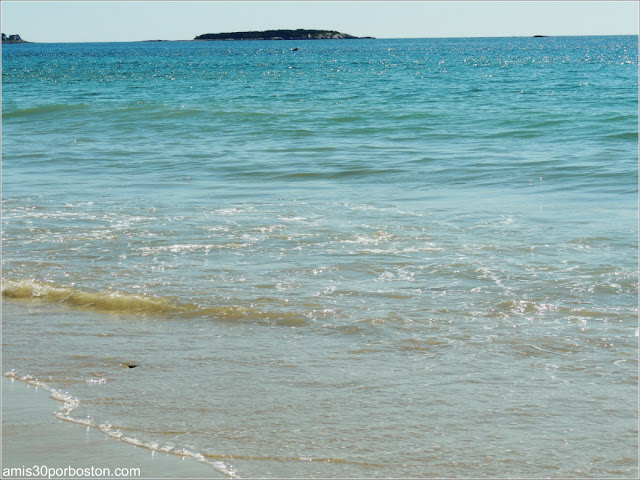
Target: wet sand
[{"x": 33, "y": 437}]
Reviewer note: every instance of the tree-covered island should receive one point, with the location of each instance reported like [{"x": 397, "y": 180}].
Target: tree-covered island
[
  {"x": 299, "y": 34},
  {"x": 13, "y": 39}
]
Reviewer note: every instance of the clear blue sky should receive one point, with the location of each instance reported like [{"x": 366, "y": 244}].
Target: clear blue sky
[{"x": 86, "y": 21}]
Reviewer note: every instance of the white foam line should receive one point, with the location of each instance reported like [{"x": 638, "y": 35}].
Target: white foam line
[{"x": 70, "y": 403}]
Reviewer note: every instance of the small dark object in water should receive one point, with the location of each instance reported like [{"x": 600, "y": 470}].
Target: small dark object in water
[
  {"x": 294, "y": 49},
  {"x": 132, "y": 366}
]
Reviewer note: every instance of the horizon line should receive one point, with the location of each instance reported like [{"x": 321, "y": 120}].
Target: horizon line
[{"x": 360, "y": 38}]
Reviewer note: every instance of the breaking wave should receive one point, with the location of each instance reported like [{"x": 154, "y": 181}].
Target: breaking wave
[{"x": 127, "y": 303}]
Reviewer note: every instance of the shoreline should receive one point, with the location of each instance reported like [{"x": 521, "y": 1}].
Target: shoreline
[{"x": 32, "y": 437}]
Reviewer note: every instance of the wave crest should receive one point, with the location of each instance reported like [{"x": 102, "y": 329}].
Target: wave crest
[
  {"x": 118, "y": 302},
  {"x": 105, "y": 301}
]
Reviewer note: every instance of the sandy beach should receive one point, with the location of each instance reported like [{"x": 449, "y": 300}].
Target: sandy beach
[{"x": 32, "y": 438}]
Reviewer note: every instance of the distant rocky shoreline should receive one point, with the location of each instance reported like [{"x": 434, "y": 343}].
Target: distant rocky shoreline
[
  {"x": 13, "y": 39},
  {"x": 299, "y": 34}
]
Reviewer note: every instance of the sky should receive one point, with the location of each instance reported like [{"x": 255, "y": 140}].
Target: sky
[{"x": 111, "y": 21}]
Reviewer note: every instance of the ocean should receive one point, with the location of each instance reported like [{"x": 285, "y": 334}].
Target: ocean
[{"x": 381, "y": 258}]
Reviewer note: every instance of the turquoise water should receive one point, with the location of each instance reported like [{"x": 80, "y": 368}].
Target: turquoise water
[{"x": 363, "y": 258}]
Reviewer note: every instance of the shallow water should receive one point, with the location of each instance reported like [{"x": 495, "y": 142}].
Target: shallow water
[{"x": 374, "y": 258}]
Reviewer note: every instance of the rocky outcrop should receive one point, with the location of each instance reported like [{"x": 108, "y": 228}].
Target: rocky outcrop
[
  {"x": 12, "y": 39},
  {"x": 300, "y": 34}
]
